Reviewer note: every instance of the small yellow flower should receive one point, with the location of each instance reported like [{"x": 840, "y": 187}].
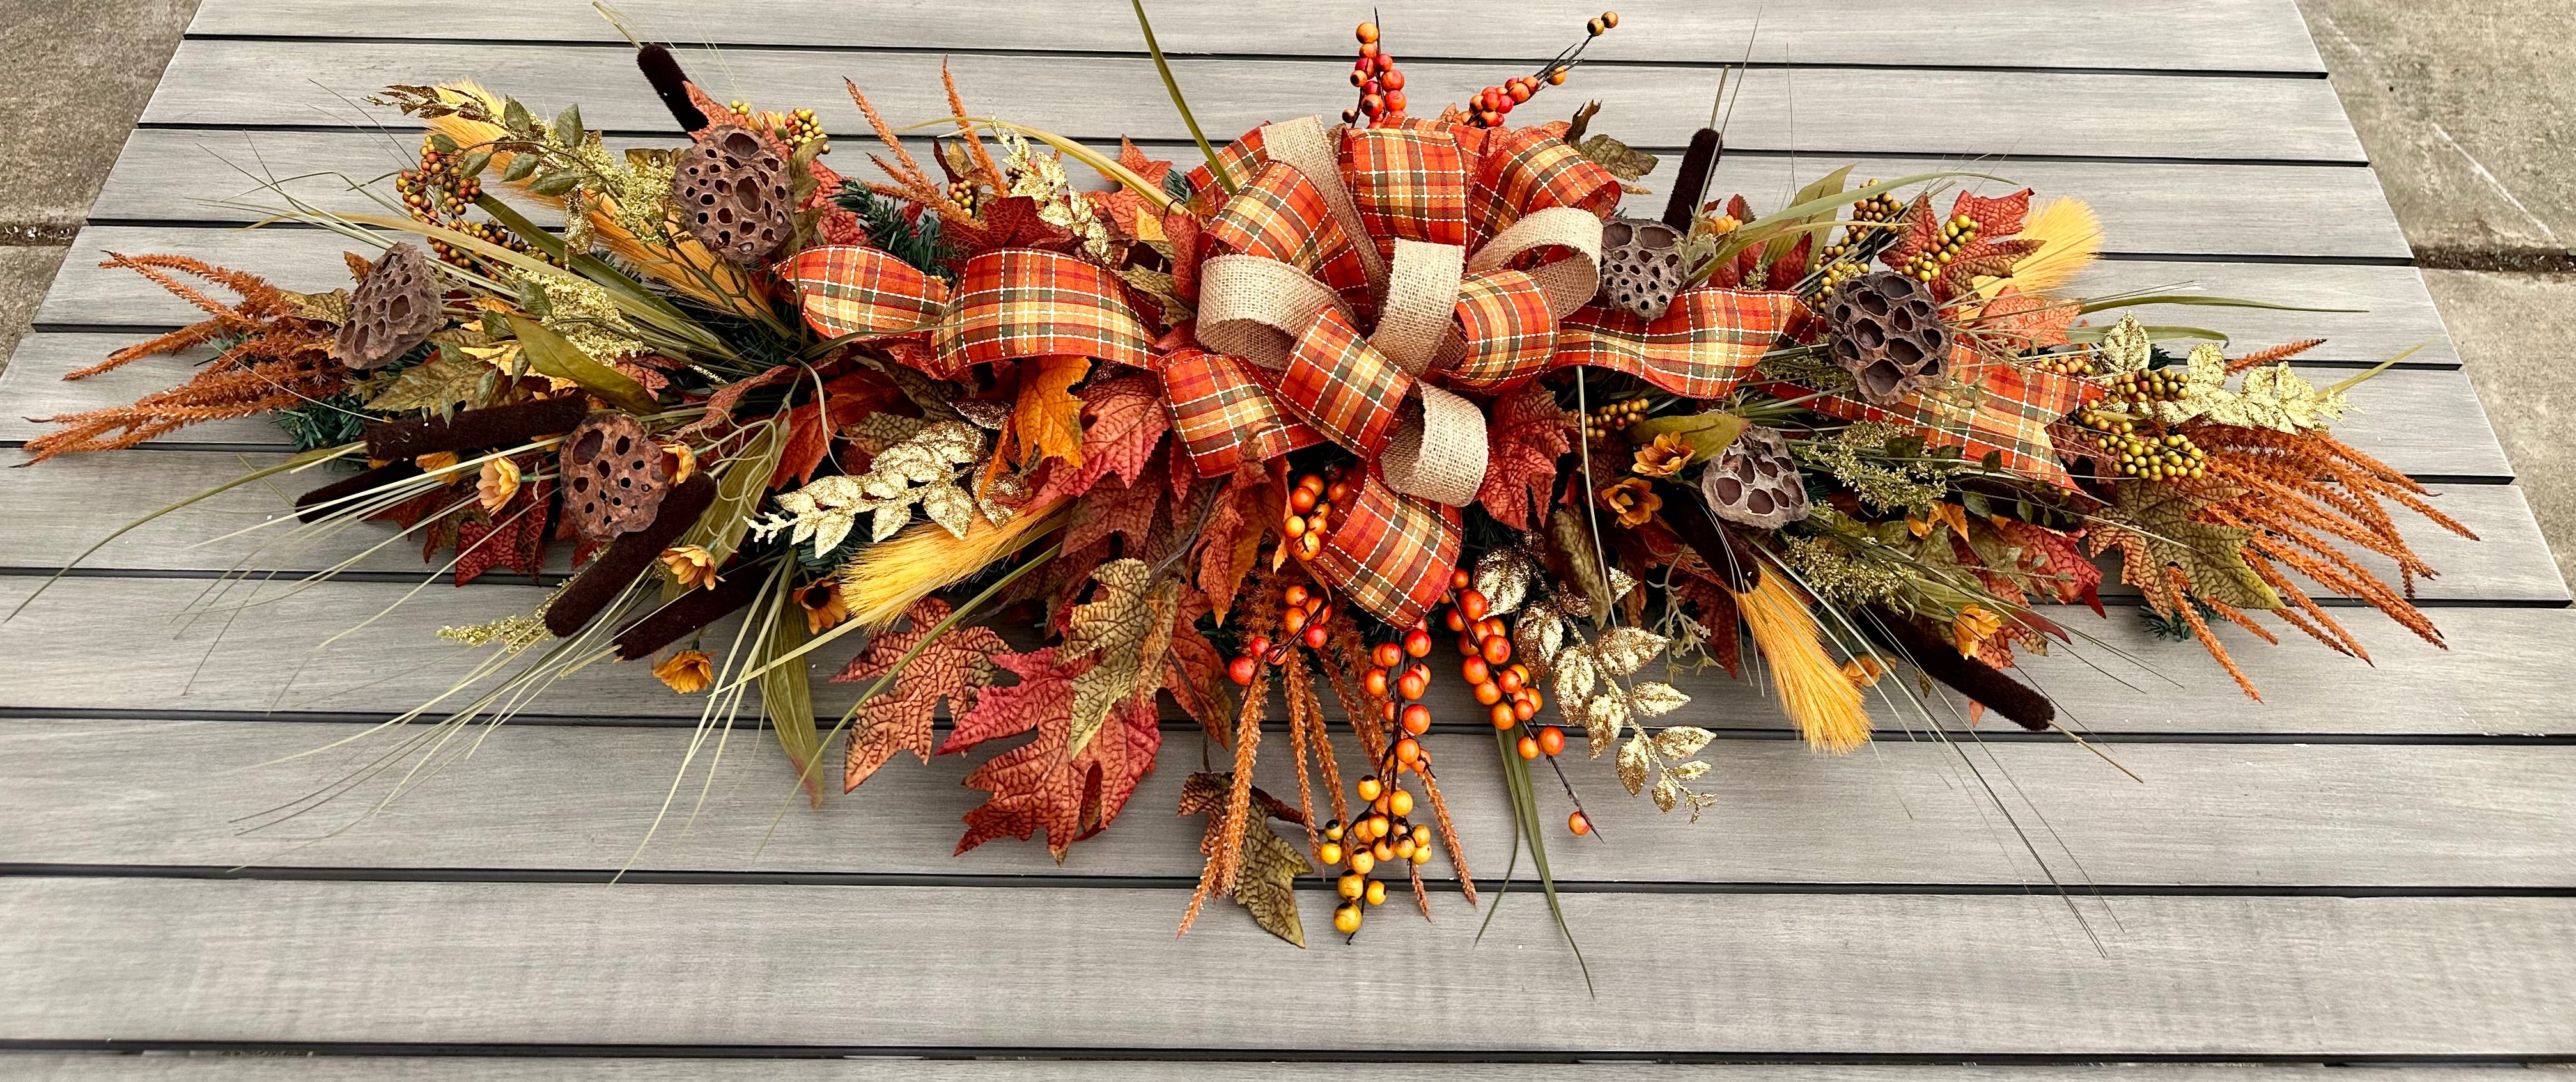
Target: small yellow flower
[
  {"x": 679, "y": 461},
  {"x": 1664, "y": 457},
  {"x": 824, "y": 608},
  {"x": 1634, "y": 499},
  {"x": 687, "y": 672},
  {"x": 499, "y": 482},
  {"x": 690, "y": 566},
  {"x": 1864, "y": 671},
  {"x": 1918, "y": 526},
  {"x": 1972, "y": 627}
]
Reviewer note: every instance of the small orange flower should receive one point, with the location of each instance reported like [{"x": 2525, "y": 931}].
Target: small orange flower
[
  {"x": 679, "y": 461},
  {"x": 1634, "y": 499},
  {"x": 1864, "y": 671},
  {"x": 1972, "y": 627},
  {"x": 436, "y": 461},
  {"x": 687, "y": 672},
  {"x": 1664, "y": 457},
  {"x": 499, "y": 482},
  {"x": 824, "y": 608},
  {"x": 690, "y": 566}
]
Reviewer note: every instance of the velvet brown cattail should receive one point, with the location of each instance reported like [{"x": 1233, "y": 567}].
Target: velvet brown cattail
[
  {"x": 663, "y": 71},
  {"x": 496, "y": 426},
  {"x": 314, "y": 506},
  {"x": 1724, "y": 553},
  {"x": 686, "y": 613},
  {"x": 1973, "y": 678},
  {"x": 1692, "y": 183},
  {"x": 628, "y": 556}
]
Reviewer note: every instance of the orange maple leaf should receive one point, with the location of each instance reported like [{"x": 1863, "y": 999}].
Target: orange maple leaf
[
  {"x": 1048, "y": 417},
  {"x": 1037, "y": 786},
  {"x": 954, "y": 667}
]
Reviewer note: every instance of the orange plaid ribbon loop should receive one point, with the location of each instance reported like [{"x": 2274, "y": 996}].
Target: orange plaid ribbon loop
[{"x": 1007, "y": 305}]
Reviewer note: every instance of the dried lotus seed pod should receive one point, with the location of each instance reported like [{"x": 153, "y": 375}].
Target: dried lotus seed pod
[
  {"x": 612, "y": 476},
  {"x": 394, "y": 308},
  {"x": 1641, "y": 265},
  {"x": 1887, "y": 332},
  {"x": 1754, "y": 483},
  {"x": 732, "y": 193}
]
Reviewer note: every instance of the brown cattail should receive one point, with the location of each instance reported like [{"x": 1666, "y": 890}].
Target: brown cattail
[
  {"x": 629, "y": 556},
  {"x": 1973, "y": 678},
  {"x": 496, "y": 426},
  {"x": 663, "y": 71},
  {"x": 689, "y": 612},
  {"x": 322, "y": 502},
  {"x": 1697, "y": 162}
]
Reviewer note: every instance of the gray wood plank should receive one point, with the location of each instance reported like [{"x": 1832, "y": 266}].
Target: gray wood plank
[
  {"x": 1913, "y": 111},
  {"x": 140, "y": 959},
  {"x": 60, "y": 514},
  {"x": 2396, "y": 313},
  {"x": 2424, "y": 422},
  {"x": 2231, "y": 35},
  {"x": 106, "y": 644},
  {"x": 570, "y": 797},
  {"x": 40, "y": 1067},
  {"x": 2156, "y": 208},
  {"x": 2509, "y": 561}
]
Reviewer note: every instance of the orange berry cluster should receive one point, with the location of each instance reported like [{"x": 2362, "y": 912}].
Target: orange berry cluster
[
  {"x": 1502, "y": 686},
  {"x": 1382, "y": 836},
  {"x": 1302, "y": 614},
  {"x": 1309, "y": 517},
  {"x": 1381, "y": 85}
]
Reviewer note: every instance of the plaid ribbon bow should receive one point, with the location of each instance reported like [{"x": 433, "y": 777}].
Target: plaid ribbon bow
[{"x": 1471, "y": 253}]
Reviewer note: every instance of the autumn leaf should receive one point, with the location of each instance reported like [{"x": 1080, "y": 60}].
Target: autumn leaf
[
  {"x": 1127, "y": 421},
  {"x": 1010, "y": 222},
  {"x": 1125, "y": 511},
  {"x": 1041, "y": 785},
  {"x": 953, "y": 667},
  {"x": 1231, "y": 542},
  {"x": 1128, "y": 623},
  {"x": 1265, "y": 883},
  {"x": 1123, "y": 205},
  {"x": 2152, "y": 527},
  {"x": 2026, "y": 321},
  {"x": 1995, "y": 218},
  {"x": 1048, "y": 418},
  {"x": 807, "y": 442},
  {"x": 1528, "y": 432}
]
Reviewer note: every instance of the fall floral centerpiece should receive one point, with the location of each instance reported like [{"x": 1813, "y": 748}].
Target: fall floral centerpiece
[{"x": 1341, "y": 414}]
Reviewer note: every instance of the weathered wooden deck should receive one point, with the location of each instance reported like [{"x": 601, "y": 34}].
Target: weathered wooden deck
[{"x": 2376, "y": 866}]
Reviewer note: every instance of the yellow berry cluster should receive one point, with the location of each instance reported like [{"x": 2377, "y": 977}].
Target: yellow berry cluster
[
  {"x": 2157, "y": 458},
  {"x": 1382, "y": 836},
  {"x": 1615, "y": 417},
  {"x": 2064, "y": 364},
  {"x": 802, "y": 127},
  {"x": 2153, "y": 385},
  {"x": 1871, "y": 211},
  {"x": 1836, "y": 273},
  {"x": 1956, "y": 235},
  {"x": 963, "y": 193}
]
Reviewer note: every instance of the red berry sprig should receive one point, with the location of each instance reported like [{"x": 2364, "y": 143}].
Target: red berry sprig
[
  {"x": 1380, "y": 83},
  {"x": 1490, "y": 105}
]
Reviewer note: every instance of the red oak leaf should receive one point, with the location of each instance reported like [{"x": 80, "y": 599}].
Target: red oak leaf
[
  {"x": 953, "y": 667},
  {"x": 807, "y": 442},
  {"x": 2054, "y": 554},
  {"x": 1195, "y": 676},
  {"x": 1995, "y": 218},
  {"x": 1010, "y": 222},
  {"x": 1125, "y": 421},
  {"x": 1122, "y": 204},
  {"x": 1124, "y": 510},
  {"x": 1231, "y": 540},
  {"x": 1922, "y": 233},
  {"x": 2023, "y": 321},
  {"x": 1527, "y": 433},
  {"x": 1037, "y": 786}
]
